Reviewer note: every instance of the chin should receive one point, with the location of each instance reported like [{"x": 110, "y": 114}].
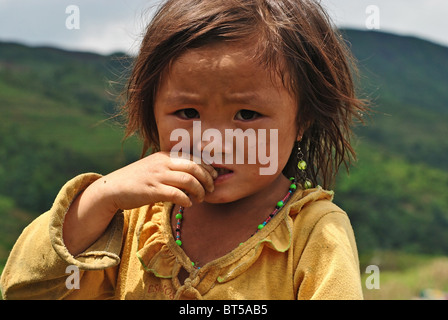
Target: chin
[
  {"x": 225, "y": 194},
  {"x": 220, "y": 197}
]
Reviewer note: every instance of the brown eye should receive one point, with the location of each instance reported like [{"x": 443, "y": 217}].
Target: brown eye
[
  {"x": 189, "y": 113},
  {"x": 246, "y": 115}
]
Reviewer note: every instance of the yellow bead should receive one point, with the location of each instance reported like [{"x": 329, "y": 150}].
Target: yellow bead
[
  {"x": 301, "y": 165},
  {"x": 307, "y": 184}
]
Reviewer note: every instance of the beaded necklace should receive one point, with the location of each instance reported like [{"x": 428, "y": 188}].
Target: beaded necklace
[{"x": 278, "y": 207}]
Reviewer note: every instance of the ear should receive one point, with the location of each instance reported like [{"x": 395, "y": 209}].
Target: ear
[
  {"x": 302, "y": 130},
  {"x": 300, "y": 133}
]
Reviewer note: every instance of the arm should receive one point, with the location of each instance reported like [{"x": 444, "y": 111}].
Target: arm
[
  {"x": 85, "y": 226},
  {"x": 149, "y": 180},
  {"x": 37, "y": 264},
  {"x": 328, "y": 268}
]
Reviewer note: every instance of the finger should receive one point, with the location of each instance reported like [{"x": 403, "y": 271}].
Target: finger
[
  {"x": 205, "y": 165},
  {"x": 207, "y": 176},
  {"x": 202, "y": 172},
  {"x": 210, "y": 170},
  {"x": 174, "y": 195},
  {"x": 199, "y": 161},
  {"x": 186, "y": 182}
]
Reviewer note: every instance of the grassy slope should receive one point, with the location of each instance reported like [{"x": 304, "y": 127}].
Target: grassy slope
[
  {"x": 396, "y": 193},
  {"x": 53, "y": 105}
]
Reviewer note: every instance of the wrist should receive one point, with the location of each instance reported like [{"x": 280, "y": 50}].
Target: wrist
[{"x": 100, "y": 196}]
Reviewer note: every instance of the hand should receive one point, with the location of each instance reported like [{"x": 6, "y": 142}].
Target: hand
[{"x": 158, "y": 178}]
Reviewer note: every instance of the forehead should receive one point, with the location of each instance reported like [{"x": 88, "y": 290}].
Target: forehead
[
  {"x": 216, "y": 57},
  {"x": 232, "y": 64}
]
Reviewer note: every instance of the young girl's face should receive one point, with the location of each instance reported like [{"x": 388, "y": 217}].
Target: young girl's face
[{"x": 220, "y": 87}]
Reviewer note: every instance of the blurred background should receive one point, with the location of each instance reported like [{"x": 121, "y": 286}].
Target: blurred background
[{"x": 64, "y": 63}]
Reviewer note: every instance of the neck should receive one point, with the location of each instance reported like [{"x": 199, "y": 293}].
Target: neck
[{"x": 209, "y": 230}]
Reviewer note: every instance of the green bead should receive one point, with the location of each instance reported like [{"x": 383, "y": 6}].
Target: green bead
[
  {"x": 179, "y": 216},
  {"x": 280, "y": 204},
  {"x": 192, "y": 263},
  {"x": 179, "y": 243},
  {"x": 260, "y": 226},
  {"x": 292, "y": 178},
  {"x": 301, "y": 165},
  {"x": 293, "y": 187},
  {"x": 307, "y": 184}
]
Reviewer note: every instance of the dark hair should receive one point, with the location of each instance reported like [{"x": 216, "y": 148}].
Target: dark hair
[{"x": 294, "y": 38}]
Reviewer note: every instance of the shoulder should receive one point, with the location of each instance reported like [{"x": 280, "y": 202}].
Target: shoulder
[
  {"x": 313, "y": 204},
  {"x": 314, "y": 214}
]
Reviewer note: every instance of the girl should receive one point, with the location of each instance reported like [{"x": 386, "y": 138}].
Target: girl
[{"x": 214, "y": 227}]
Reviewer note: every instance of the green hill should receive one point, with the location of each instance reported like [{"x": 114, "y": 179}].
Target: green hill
[
  {"x": 396, "y": 193},
  {"x": 53, "y": 103},
  {"x": 408, "y": 80}
]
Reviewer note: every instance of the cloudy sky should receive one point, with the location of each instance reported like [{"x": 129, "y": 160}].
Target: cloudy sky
[{"x": 106, "y": 26}]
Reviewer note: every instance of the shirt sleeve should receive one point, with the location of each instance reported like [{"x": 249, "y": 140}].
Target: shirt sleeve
[
  {"x": 40, "y": 266},
  {"x": 328, "y": 268}
]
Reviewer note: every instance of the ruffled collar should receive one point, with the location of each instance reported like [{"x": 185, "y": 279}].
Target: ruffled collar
[{"x": 160, "y": 255}]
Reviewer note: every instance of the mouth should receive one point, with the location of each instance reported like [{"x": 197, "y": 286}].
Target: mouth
[{"x": 223, "y": 171}]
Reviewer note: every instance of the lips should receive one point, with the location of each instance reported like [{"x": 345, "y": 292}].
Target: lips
[{"x": 223, "y": 171}]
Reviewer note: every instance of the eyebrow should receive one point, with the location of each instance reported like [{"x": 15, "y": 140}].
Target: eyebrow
[
  {"x": 243, "y": 98},
  {"x": 182, "y": 97}
]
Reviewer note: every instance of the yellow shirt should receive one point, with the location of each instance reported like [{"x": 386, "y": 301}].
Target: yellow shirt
[{"x": 307, "y": 251}]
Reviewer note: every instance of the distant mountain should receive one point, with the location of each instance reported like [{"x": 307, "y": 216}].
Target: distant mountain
[
  {"x": 52, "y": 103},
  {"x": 407, "y": 78},
  {"x": 60, "y": 96},
  {"x": 414, "y": 70},
  {"x": 396, "y": 195}
]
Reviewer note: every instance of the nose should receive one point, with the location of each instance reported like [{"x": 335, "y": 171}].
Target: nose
[{"x": 210, "y": 142}]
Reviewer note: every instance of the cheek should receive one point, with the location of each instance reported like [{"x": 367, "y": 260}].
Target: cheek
[
  {"x": 164, "y": 137},
  {"x": 166, "y": 144},
  {"x": 170, "y": 137},
  {"x": 165, "y": 128},
  {"x": 287, "y": 139},
  {"x": 166, "y": 131},
  {"x": 173, "y": 136}
]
